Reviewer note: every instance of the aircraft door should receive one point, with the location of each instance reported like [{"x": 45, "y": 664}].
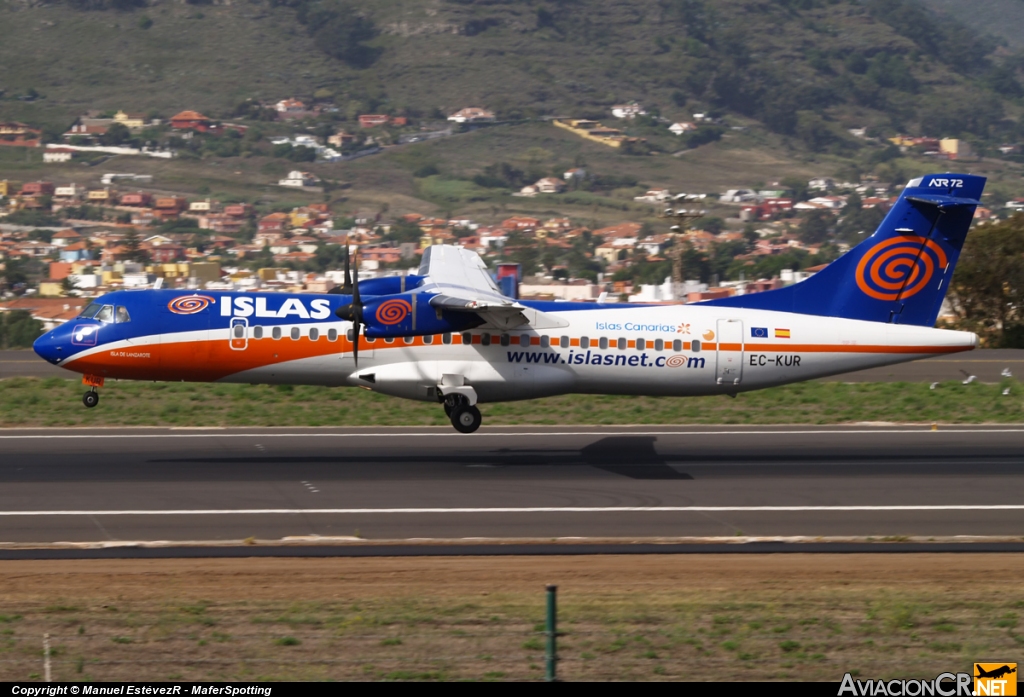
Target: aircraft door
[
  {"x": 238, "y": 333},
  {"x": 729, "y": 353}
]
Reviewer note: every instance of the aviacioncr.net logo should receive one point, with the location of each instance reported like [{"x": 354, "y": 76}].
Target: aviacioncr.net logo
[
  {"x": 899, "y": 267},
  {"x": 943, "y": 685}
]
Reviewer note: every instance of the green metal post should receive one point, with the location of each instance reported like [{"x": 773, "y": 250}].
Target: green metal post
[{"x": 552, "y": 632}]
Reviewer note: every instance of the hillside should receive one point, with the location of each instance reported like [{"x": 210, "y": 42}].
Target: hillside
[
  {"x": 807, "y": 69},
  {"x": 1003, "y": 19}
]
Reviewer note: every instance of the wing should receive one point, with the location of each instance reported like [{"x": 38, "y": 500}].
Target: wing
[{"x": 459, "y": 282}]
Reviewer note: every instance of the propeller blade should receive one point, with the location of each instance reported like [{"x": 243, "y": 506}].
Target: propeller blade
[
  {"x": 355, "y": 343},
  {"x": 348, "y": 272},
  {"x": 358, "y": 307}
]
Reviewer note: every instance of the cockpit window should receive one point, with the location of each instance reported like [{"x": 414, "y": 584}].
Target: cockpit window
[
  {"x": 91, "y": 310},
  {"x": 122, "y": 314},
  {"x": 106, "y": 314}
]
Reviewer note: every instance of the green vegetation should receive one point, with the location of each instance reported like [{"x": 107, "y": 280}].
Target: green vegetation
[
  {"x": 56, "y": 402},
  {"x": 18, "y": 329}
]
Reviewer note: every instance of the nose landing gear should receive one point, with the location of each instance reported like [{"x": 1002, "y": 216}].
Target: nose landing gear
[{"x": 91, "y": 398}]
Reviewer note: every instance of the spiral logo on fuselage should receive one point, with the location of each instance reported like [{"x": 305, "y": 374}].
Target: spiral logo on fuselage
[
  {"x": 675, "y": 361},
  {"x": 189, "y": 304},
  {"x": 393, "y": 311},
  {"x": 899, "y": 267}
]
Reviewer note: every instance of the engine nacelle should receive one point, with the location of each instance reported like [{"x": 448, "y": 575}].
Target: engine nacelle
[
  {"x": 390, "y": 285},
  {"x": 411, "y": 314}
]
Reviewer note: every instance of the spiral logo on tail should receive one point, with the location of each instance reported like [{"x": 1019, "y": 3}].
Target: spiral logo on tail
[
  {"x": 675, "y": 361},
  {"x": 904, "y": 263},
  {"x": 393, "y": 311},
  {"x": 189, "y": 304}
]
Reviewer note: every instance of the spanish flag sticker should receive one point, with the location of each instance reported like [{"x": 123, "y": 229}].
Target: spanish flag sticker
[{"x": 781, "y": 333}]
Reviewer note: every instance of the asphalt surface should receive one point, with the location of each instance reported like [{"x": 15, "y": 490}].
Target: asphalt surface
[
  {"x": 512, "y": 483},
  {"x": 986, "y": 365}
]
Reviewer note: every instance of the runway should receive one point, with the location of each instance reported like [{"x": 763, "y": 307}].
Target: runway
[
  {"x": 986, "y": 365},
  {"x": 115, "y": 485}
]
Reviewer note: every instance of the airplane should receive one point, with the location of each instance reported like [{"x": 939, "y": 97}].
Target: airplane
[
  {"x": 995, "y": 672},
  {"x": 448, "y": 335}
]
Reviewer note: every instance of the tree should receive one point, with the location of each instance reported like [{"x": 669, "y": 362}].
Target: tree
[
  {"x": 117, "y": 134},
  {"x": 18, "y": 329},
  {"x": 815, "y": 228},
  {"x": 987, "y": 291},
  {"x": 132, "y": 245}
]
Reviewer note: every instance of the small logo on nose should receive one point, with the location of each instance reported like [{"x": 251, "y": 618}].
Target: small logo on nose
[{"x": 85, "y": 335}]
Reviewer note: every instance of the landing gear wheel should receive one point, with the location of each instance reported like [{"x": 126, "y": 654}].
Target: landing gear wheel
[
  {"x": 466, "y": 419},
  {"x": 91, "y": 399}
]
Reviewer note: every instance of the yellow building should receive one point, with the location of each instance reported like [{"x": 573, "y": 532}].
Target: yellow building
[
  {"x": 51, "y": 288},
  {"x": 955, "y": 149},
  {"x": 204, "y": 271},
  {"x": 99, "y": 195},
  {"x": 9, "y": 188},
  {"x": 130, "y": 120}
]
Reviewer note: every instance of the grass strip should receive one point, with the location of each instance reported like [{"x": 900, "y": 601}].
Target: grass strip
[{"x": 57, "y": 402}]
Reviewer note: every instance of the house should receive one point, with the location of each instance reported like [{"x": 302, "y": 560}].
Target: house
[
  {"x": 137, "y": 198},
  {"x": 204, "y": 206},
  {"x": 190, "y": 121},
  {"x": 955, "y": 149},
  {"x": 131, "y": 121},
  {"x": 738, "y": 196},
  {"x": 273, "y": 223},
  {"x": 67, "y": 194},
  {"x": 576, "y": 174},
  {"x": 627, "y": 111},
  {"x": 681, "y": 127},
  {"x": 88, "y": 129},
  {"x": 341, "y": 139},
  {"x": 17, "y": 134},
  {"x": 520, "y": 222},
  {"x": 35, "y": 248},
  {"x": 550, "y": 185},
  {"x": 166, "y": 253},
  {"x": 65, "y": 237},
  {"x": 372, "y": 120},
  {"x": 472, "y": 115},
  {"x": 620, "y": 231},
  {"x": 39, "y": 188},
  {"x": 58, "y": 155},
  {"x": 298, "y": 179},
  {"x": 76, "y": 251},
  {"x": 821, "y": 184},
  {"x": 8, "y": 187},
  {"x": 654, "y": 196},
  {"x": 290, "y": 106},
  {"x": 238, "y": 210}
]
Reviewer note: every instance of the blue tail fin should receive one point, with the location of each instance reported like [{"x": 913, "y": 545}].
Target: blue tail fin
[{"x": 900, "y": 274}]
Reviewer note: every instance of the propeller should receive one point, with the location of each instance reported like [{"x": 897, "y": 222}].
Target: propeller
[
  {"x": 347, "y": 288},
  {"x": 353, "y": 312}
]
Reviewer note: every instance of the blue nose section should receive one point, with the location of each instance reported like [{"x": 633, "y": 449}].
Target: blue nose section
[{"x": 53, "y": 346}]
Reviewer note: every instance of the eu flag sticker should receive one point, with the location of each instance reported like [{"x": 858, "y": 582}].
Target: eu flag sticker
[{"x": 759, "y": 332}]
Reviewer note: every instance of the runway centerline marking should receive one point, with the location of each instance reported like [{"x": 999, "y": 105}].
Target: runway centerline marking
[
  {"x": 923, "y": 429},
  {"x": 526, "y": 509}
]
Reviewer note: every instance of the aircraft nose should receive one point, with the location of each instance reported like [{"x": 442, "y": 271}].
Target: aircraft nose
[{"x": 52, "y": 346}]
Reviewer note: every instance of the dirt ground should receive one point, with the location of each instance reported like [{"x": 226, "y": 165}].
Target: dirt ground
[{"x": 694, "y": 617}]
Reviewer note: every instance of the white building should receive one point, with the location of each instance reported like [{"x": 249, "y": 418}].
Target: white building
[
  {"x": 58, "y": 155},
  {"x": 627, "y": 111},
  {"x": 472, "y": 115},
  {"x": 681, "y": 127},
  {"x": 299, "y": 179}
]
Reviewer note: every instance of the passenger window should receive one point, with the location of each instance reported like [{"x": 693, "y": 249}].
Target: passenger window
[
  {"x": 369, "y": 340},
  {"x": 446, "y": 338},
  {"x": 641, "y": 344},
  {"x": 603, "y": 342},
  {"x": 524, "y": 340},
  {"x": 505, "y": 340},
  {"x": 486, "y": 340},
  {"x": 429, "y": 339},
  {"x": 677, "y": 345},
  {"x": 106, "y": 314},
  {"x": 90, "y": 311},
  {"x": 351, "y": 334},
  {"x": 332, "y": 334},
  {"x": 314, "y": 334},
  {"x": 238, "y": 331},
  {"x": 295, "y": 333},
  {"x": 564, "y": 342},
  {"x": 585, "y": 342},
  {"x": 695, "y": 345},
  {"x": 623, "y": 344},
  {"x": 122, "y": 315},
  {"x": 659, "y": 345},
  {"x": 389, "y": 340},
  {"x": 257, "y": 332},
  {"x": 545, "y": 341},
  {"x": 408, "y": 339},
  {"x": 276, "y": 333}
]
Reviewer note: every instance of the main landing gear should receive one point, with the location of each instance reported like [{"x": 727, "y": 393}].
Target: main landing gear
[
  {"x": 91, "y": 398},
  {"x": 466, "y": 418}
]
